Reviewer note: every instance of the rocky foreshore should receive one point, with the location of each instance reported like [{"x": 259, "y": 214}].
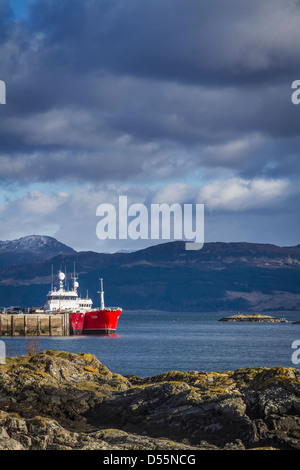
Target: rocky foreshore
[
  {"x": 58, "y": 400},
  {"x": 251, "y": 317}
]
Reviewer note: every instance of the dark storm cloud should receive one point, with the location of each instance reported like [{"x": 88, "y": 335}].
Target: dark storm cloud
[
  {"x": 110, "y": 89},
  {"x": 197, "y": 41}
]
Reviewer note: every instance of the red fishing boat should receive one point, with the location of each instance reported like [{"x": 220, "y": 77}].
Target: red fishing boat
[{"x": 84, "y": 319}]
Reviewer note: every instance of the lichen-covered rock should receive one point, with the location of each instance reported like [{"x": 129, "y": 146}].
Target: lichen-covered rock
[
  {"x": 46, "y": 434},
  {"x": 219, "y": 408},
  {"x": 10, "y": 444},
  {"x": 57, "y": 400}
]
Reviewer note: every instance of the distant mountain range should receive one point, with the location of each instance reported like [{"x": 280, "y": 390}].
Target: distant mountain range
[
  {"x": 30, "y": 248},
  {"x": 219, "y": 277}
]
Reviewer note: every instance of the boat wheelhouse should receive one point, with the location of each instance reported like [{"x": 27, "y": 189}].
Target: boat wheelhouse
[{"x": 66, "y": 300}]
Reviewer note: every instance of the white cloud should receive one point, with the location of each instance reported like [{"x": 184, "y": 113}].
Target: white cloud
[
  {"x": 237, "y": 194},
  {"x": 39, "y": 203},
  {"x": 70, "y": 214},
  {"x": 174, "y": 193},
  {"x": 233, "y": 152}
]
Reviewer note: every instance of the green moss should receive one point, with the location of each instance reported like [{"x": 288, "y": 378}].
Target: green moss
[{"x": 60, "y": 354}]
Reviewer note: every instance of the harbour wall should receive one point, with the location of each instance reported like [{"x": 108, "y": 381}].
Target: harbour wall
[{"x": 34, "y": 325}]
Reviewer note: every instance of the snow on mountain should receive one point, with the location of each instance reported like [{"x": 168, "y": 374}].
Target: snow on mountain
[{"x": 31, "y": 248}]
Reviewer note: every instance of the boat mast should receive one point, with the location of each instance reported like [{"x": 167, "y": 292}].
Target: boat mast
[
  {"x": 101, "y": 292},
  {"x": 61, "y": 277},
  {"x": 75, "y": 283}
]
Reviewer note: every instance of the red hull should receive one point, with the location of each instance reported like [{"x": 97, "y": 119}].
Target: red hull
[{"x": 98, "y": 322}]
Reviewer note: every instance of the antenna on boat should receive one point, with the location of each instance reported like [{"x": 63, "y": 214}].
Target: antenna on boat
[
  {"x": 51, "y": 276},
  {"x": 61, "y": 278},
  {"x": 101, "y": 292},
  {"x": 75, "y": 283}
]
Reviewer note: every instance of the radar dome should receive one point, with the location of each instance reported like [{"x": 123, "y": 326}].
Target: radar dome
[{"x": 61, "y": 276}]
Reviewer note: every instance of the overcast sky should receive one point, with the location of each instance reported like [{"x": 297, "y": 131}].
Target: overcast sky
[{"x": 184, "y": 101}]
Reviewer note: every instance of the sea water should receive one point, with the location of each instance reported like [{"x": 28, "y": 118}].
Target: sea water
[{"x": 149, "y": 343}]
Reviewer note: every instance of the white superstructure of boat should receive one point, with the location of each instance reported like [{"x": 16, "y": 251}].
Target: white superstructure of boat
[{"x": 59, "y": 300}]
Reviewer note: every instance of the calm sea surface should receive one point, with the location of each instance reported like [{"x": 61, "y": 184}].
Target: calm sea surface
[{"x": 151, "y": 343}]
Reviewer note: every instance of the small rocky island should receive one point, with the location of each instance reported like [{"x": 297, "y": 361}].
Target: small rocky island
[
  {"x": 55, "y": 400},
  {"x": 251, "y": 317}
]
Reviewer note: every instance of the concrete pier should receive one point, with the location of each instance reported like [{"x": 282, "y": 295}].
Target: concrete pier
[{"x": 34, "y": 324}]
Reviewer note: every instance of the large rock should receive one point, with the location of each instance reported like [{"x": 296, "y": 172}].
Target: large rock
[
  {"x": 251, "y": 317},
  {"x": 58, "y": 400}
]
